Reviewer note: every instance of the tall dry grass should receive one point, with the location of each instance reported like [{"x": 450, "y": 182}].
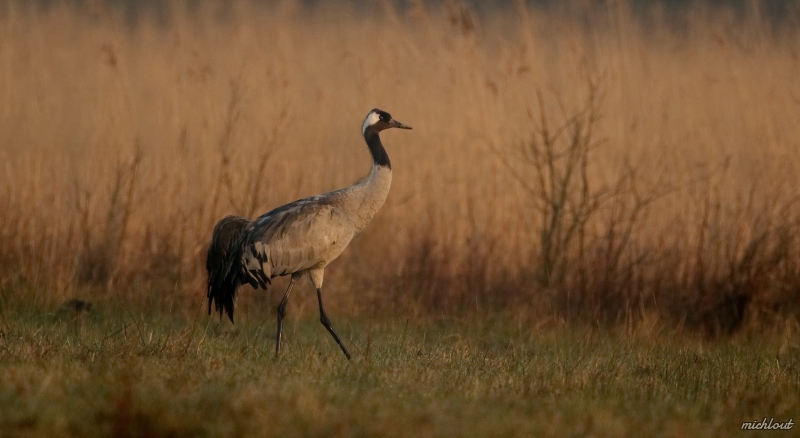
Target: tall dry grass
[{"x": 573, "y": 164}]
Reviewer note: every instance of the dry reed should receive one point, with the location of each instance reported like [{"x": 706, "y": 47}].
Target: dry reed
[{"x": 123, "y": 141}]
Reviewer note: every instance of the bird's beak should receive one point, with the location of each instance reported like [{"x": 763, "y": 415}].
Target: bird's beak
[{"x": 395, "y": 124}]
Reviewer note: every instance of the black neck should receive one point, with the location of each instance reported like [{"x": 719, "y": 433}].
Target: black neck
[{"x": 379, "y": 155}]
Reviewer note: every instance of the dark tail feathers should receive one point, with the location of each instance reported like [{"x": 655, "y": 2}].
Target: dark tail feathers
[{"x": 222, "y": 252}]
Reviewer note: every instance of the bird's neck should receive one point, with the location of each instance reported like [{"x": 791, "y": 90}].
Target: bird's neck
[
  {"x": 379, "y": 155},
  {"x": 370, "y": 194}
]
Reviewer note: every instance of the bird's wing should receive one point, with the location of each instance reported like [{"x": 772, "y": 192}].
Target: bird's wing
[{"x": 297, "y": 236}]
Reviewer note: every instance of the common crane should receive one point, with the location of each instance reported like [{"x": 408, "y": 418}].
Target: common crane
[{"x": 300, "y": 238}]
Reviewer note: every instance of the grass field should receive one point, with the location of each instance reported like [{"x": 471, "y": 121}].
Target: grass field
[
  {"x": 580, "y": 162},
  {"x": 124, "y": 374},
  {"x": 593, "y": 229}
]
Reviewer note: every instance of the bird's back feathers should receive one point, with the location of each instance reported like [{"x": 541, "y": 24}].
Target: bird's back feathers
[
  {"x": 225, "y": 238},
  {"x": 308, "y": 233}
]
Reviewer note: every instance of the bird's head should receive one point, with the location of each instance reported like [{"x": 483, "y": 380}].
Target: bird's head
[{"x": 378, "y": 120}]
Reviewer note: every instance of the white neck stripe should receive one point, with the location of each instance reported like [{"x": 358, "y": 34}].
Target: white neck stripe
[{"x": 372, "y": 118}]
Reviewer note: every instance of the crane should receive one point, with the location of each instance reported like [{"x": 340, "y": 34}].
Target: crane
[{"x": 300, "y": 238}]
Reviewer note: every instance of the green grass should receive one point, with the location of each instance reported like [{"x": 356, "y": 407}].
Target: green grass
[{"x": 120, "y": 373}]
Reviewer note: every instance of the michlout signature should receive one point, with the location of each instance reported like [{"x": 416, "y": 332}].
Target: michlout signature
[{"x": 768, "y": 424}]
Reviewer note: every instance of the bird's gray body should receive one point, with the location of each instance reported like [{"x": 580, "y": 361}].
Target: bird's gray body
[
  {"x": 298, "y": 238},
  {"x": 307, "y": 234}
]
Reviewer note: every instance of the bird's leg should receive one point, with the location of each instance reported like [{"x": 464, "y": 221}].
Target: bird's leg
[
  {"x": 281, "y": 315},
  {"x": 323, "y": 318}
]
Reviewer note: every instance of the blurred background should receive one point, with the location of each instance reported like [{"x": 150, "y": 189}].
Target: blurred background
[{"x": 599, "y": 163}]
